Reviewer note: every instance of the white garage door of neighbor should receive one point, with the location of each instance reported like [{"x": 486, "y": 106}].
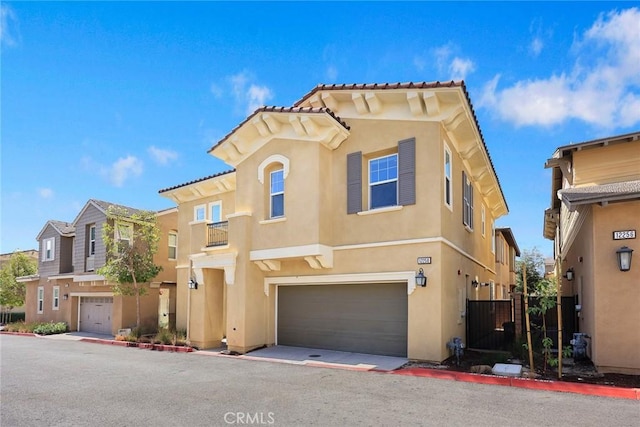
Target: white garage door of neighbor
[
  {"x": 95, "y": 314},
  {"x": 361, "y": 318}
]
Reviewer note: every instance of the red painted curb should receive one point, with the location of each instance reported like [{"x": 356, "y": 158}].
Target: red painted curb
[
  {"x": 532, "y": 384},
  {"x": 23, "y": 334}
]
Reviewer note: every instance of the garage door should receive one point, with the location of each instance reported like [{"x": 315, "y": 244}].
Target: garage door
[
  {"x": 95, "y": 314},
  {"x": 362, "y": 318}
]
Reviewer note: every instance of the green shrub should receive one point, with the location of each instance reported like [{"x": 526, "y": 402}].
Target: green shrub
[
  {"x": 164, "y": 336},
  {"x": 21, "y": 327},
  {"x": 50, "y": 328}
]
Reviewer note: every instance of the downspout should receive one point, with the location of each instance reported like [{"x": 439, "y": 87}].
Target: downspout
[
  {"x": 189, "y": 303},
  {"x": 559, "y": 296}
]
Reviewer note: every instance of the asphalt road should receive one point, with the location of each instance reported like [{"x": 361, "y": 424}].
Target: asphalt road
[{"x": 53, "y": 382}]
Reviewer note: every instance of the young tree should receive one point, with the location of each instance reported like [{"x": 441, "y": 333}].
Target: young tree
[
  {"x": 131, "y": 240},
  {"x": 534, "y": 261},
  {"x": 12, "y": 292}
]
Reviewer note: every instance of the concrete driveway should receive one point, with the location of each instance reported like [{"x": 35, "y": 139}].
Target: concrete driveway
[{"x": 58, "y": 382}]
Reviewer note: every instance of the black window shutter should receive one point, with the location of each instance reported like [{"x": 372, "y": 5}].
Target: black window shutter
[
  {"x": 354, "y": 182},
  {"x": 407, "y": 172}
]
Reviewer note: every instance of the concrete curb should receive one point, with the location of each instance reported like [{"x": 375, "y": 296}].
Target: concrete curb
[
  {"x": 532, "y": 384},
  {"x": 155, "y": 347},
  {"x": 23, "y": 334}
]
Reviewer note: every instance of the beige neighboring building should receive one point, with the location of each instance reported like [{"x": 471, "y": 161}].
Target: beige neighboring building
[
  {"x": 594, "y": 214},
  {"x": 333, "y": 207},
  {"x": 68, "y": 289}
]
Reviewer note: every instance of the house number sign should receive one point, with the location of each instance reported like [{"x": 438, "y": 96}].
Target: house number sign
[
  {"x": 624, "y": 234},
  {"x": 424, "y": 260}
]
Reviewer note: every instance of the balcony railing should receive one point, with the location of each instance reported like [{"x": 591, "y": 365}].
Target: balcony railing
[{"x": 218, "y": 234}]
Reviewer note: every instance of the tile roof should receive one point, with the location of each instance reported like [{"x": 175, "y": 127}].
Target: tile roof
[
  {"x": 379, "y": 86},
  {"x": 601, "y": 193},
  {"x": 273, "y": 109},
  {"x": 64, "y": 228},
  {"x": 413, "y": 85},
  {"x": 196, "y": 181}
]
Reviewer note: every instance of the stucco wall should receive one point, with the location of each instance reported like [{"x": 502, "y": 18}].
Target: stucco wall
[{"x": 617, "y": 294}]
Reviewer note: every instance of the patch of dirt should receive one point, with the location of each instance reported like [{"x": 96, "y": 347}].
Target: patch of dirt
[{"x": 582, "y": 371}]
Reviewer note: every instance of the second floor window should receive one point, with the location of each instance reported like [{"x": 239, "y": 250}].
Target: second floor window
[
  {"x": 173, "y": 245},
  {"x": 277, "y": 193},
  {"x": 199, "y": 213},
  {"x": 447, "y": 177},
  {"x": 48, "y": 249},
  {"x": 92, "y": 240},
  {"x": 215, "y": 210},
  {"x": 383, "y": 181},
  {"x": 124, "y": 233},
  {"x": 467, "y": 205}
]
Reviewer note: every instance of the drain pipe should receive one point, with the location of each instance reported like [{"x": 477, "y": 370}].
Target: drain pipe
[{"x": 189, "y": 302}]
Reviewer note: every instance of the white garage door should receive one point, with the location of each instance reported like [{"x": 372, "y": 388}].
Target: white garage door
[
  {"x": 361, "y": 318},
  {"x": 95, "y": 314}
]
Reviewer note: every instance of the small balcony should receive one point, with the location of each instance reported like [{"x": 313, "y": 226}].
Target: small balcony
[{"x": 218, "y": 234}]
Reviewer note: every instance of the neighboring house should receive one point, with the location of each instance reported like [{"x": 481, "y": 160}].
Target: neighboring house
[
  {"x": 334, "y": 207},
  {"x": 506, "y": 250},
  {"x": 594, "y": 213},
  {"x": 67, "y": 287},
  {"x": 31, "y": 253},
  {"x": 4, "y": 258}
]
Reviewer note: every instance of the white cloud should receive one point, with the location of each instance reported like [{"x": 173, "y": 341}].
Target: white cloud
[
  {"x": 248, "y": 95},
  {"x": 419, "y": 62},
  {"x": 460, "y": 67},
  {"x": 162, "y": 156},
  {"x": 331, "y": 73},
  {"x": 45, "y": 193},
  {"x": 8, "y": 26},
  {"x": 216, "y": 90},
  {"x": 122, "y": 169},
  {"x": 449, "y": 65},
  {"x": 257, "y": 96},
  {"x": 602, "y": 89},
  {"x": 536, "y": 46}
]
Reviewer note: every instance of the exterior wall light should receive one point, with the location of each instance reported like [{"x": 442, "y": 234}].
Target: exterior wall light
[
  {"x": 65, "y": 297},
  {"x": 624, "y": 258},
  {"x": 193, "y": 284},
  {"x": 421, "y": 279},
  {"x": 569, "y": 274},
  {"x": 475, "y": 283}
]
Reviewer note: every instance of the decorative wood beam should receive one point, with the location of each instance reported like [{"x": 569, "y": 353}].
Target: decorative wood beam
[
  {"x": 237, "y": 144},
  {"x": 260, "y": 126},
  {"x": 374, "y": 103},
  {"x": 415, "y": 103},
  {"x": 315, "y": 101},
  {"x": 309, "y": 125},
  {"x": 313, "y": 262},
  {"x": 297, "y": 126},
  {"x": 467, "y": 154},
  {"x": 274, "y": 125},
  {"x": 359, "y": 102},
  {"x": 432, "y": 103},
  {"x": 330, "y": 101},
  {"x": 455, "y": 119}
]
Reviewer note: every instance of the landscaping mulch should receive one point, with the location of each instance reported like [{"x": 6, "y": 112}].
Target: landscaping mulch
[{"x": 582, "y": 371}]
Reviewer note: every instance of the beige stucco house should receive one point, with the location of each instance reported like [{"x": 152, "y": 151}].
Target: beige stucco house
[
  {"x": 594, "y": 213},
  {"x": 331, "y": 210},
  {"x": 68, "y": 289}
]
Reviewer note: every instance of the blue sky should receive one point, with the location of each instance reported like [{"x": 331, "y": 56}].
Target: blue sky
[{"x": 118, "y": 100}]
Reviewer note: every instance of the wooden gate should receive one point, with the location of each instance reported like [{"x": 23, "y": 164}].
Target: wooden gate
[{"x": 490, "y": 325}]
